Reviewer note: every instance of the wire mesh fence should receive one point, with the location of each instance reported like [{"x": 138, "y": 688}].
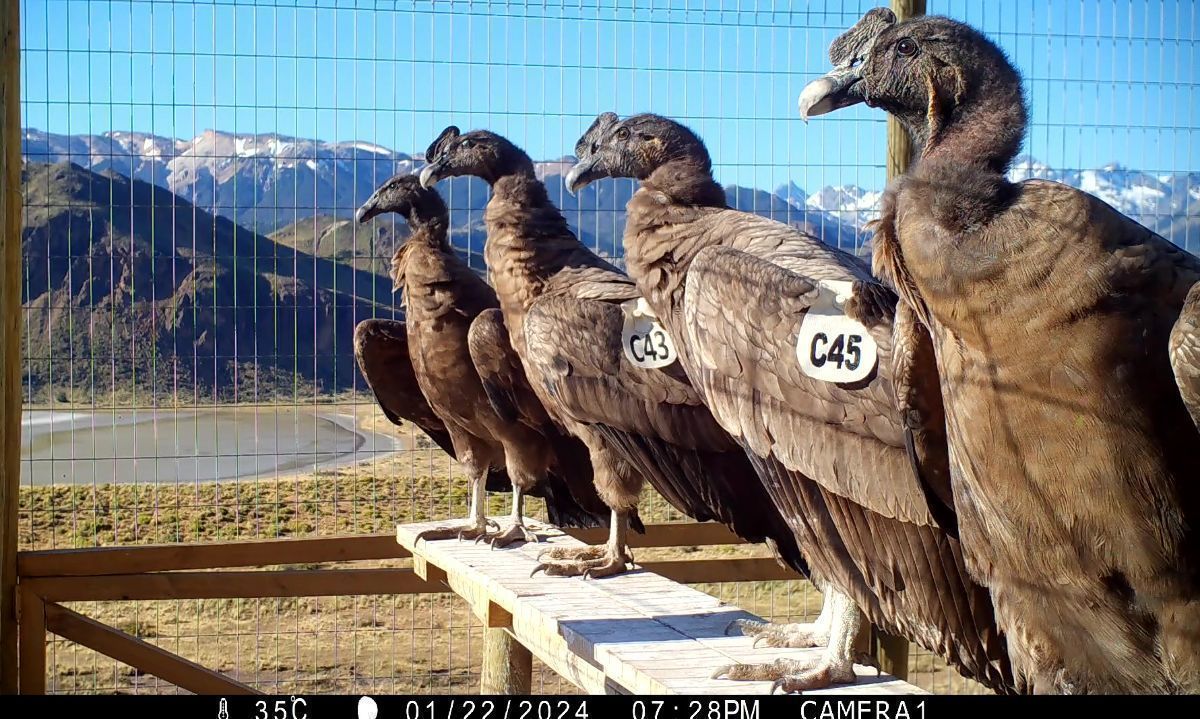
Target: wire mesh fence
[{"x": 193, "y": 274}]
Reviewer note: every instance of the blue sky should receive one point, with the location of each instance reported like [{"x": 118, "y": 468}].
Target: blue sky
[{"x": 1107, "y": 80}]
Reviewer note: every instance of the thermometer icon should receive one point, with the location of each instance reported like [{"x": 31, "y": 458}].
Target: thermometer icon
[{"x": 223, "y": 709}]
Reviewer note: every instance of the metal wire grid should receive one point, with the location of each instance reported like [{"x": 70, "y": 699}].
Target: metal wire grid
[{"x": 288, "y": 427}]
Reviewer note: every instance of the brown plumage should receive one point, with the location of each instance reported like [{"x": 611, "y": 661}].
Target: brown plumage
[
  {"x": 561, "y": 304},
  {"x": 838, "y": 457},
  {"x": 470, "y": 391},
  {"x": 1185, "y": 353},
  {"x": 381, "y": 350},
  {"x": 1067, "y": 361}
]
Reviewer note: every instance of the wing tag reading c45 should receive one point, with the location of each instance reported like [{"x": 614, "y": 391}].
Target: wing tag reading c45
[{"x": 830, "y": 346}]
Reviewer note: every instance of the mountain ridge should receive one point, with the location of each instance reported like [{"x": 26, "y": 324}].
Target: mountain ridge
[
  {"x": 268, "y": 181},
  {"x": 131, "y": 288}
]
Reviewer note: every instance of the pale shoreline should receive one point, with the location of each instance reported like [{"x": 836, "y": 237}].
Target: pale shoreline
[{"x": 195, "y": 444}]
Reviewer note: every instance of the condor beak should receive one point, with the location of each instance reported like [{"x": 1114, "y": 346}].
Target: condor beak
[
  {"x": 582, "y": 174},
  {"x": 837, "y": 89},
  {"x": 430, "y": 174},
  {"x": 369, "y": 209}
]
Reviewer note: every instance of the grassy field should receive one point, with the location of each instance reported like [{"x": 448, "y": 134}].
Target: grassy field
[{"x": 388, "y": 644}]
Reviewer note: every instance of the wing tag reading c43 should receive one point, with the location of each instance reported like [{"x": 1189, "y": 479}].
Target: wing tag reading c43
[
  {"x": 645, "y": 341},
  {"x": 830, "y": 346}
]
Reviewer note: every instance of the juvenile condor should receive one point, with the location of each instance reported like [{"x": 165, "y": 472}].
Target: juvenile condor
[
  {"x": 381, "y": 351},
  {"x": 838, "y": 456},
  {"x": 1067, "y": 356},
  {"x": 562, "y": 306},
  {"x": 451, "y": 371}
]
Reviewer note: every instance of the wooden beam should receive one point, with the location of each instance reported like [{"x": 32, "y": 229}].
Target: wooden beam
[
  {"x": 428, "y": 572},
  {"x": 678, "y": 534},
  {"x": 10, "y": 334},
  {"x": 899, "y": 146},
  {"x": 94, "y": 561},
  {"x": 32, "y": 630},
  {"x": 140, "y": 654},
  {"x": 98, "y": 561},
  {"x": 232, "y": 585},
  {"x": 748, "y": 569}
]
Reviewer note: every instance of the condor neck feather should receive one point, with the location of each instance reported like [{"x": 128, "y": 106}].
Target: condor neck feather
[
  {"x": 675, "y": 194},
  {"x": 429, "y": 232},
  {"x": 521, "y": 186},
  {"x": 528, "y": 243},
  {"x": 427, "y": 235},
  {"x": 687, "y": 181},
  {"x": 983, "y": 131},
  {"x": 958, "y": 179}
]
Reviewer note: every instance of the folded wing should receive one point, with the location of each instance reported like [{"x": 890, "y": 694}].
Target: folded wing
[
  {"x": 654, "y": 416},
  {"x": 835, "y": 454}
]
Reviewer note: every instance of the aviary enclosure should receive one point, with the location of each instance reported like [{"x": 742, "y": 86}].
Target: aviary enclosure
[{"x": 190, "y": 277}]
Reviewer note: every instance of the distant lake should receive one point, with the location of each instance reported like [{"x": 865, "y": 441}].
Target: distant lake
[{"x": 189, "y": 445}]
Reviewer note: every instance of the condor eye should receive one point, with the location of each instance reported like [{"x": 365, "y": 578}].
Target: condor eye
[
  {"x": 467, "y": 144},
  {"x": 906, "y": 47},
  {"x": 623, "y": 134}
]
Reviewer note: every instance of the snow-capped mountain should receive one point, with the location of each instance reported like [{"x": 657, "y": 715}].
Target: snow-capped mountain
[
  {"x": 1144, "y": 197},
  {"x": 260, "y": 181},
  {"x": 848, "y": 203},
  {"x": 266, "y": 182}
]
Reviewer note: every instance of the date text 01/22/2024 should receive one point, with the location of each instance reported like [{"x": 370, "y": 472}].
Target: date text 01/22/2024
[{"x": 805, "y": 708}]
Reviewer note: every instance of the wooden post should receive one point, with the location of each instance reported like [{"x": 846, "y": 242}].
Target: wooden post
[
  {"x": 507, "y": 664},
  {"x": 892, "y": 652},
  {"x": 10, "y": 334},
  {"x": 899, "y": 146},
  {"x": 32, "y": 629}
]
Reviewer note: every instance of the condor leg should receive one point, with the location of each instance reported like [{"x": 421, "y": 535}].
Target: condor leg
[{"x": 477, "y": 523}]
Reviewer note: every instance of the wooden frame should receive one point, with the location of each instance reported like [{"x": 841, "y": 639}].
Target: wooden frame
[
  {"x": 94, "y": 561},
  {"x": 209, "y": 571},
  {"x": 137, "y": 653},
  {"x": 229, "y": 585},
  {"x": 10, "y": 334}
]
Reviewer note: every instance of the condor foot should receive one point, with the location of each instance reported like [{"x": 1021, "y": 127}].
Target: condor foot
[
  {"x": 470, "y": 530},
  {"x": 793, "y": 676},
  {"x": 586, "y": 562},
  {"x": 793, "y": 636},
  {"x": 516, "y": 533}
]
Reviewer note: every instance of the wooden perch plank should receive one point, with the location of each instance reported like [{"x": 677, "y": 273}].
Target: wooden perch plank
[
  {"x": 95, "y": 561},
  {"x": 637, "y": 633},
  {"x": 233, "y": 585},
  {"x": 139, "y": 654}
]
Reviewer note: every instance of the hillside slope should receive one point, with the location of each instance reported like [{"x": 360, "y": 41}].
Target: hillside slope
[{"x": 129, "y": 288}]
